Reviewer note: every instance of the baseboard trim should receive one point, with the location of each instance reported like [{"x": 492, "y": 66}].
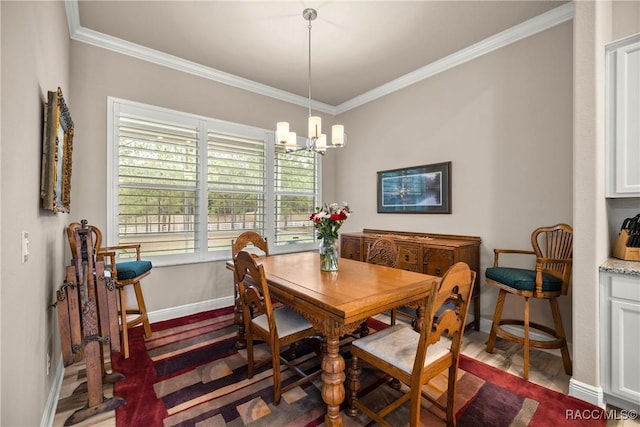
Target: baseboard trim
[
  {"x": 187, "y": 309},
  {"x": 587, "y": 392},
  {"x": 51, "y": 406}
]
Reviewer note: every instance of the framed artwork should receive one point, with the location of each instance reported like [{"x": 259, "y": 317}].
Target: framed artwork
[
  {"x": 418, "y": 189},
  {"x": 57, "y": 148}
]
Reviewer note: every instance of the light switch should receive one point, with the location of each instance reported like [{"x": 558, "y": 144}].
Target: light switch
[{"x": 25, "y": 246}]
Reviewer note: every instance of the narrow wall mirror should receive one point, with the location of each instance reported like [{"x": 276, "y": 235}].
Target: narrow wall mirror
[{"x": 57, "y": 147}]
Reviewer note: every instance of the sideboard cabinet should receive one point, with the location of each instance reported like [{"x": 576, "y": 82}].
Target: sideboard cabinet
[{"x": 422, "y": 252}]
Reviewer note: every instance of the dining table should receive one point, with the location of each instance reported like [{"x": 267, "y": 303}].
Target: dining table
[{"x": 336, "y": 303}]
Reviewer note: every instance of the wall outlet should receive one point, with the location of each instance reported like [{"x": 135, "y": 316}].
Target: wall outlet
[{"x": 48, "y": 363}]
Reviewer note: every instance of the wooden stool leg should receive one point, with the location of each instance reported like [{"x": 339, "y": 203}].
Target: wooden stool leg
[
  {"x": 557, "y": 320},
  {"x": 143, "y": 309},
  {"x": 497, "y": 314},
  {"x": 525, "y": 355},
  {"x": 123, "y": 322}
]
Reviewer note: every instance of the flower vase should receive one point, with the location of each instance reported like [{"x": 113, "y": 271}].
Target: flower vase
[{"x": 329, "y": 255}]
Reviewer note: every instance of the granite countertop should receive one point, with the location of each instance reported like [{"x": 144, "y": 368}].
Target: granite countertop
[{"x": 614, "y": 265}]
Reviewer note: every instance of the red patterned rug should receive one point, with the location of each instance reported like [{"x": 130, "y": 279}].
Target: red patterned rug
[{"x": 190, "y": 374}]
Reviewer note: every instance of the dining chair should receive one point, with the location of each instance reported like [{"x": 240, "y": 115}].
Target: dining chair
[
  {"x": 549, "y": 279},
  {"x": 383, "y": 251},
  {"x": 414, "y": 357},
  {"x": 258, "y": 246},
  {"x": 279, "y": 327},
  {"x": 248, "y": 239},
  {"x": 123, "y": 274}
]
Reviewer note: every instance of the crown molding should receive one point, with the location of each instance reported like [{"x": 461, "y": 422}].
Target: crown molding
[
  {"x": 511, "y": 35},
  {"x": 528, "y": 28}
]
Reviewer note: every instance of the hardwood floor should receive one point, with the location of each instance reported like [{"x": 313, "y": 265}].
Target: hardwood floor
[{"x": 546, "y": 369}]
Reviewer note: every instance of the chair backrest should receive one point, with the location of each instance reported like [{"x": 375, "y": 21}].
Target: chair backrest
[
  {"x": 383, "y": 251},
  {"x": 247, "y": 238},
  {"x": 554, "y": 243},
  {"x": 456, "y": 286},
  {"x": 253, "y": 289}
]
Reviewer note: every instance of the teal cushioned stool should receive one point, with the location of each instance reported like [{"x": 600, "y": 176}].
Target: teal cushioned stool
[
  {"x": 553, "y": 251},
  {"x": 131, "y": 269},
  {"x": 523, "y": 280},
  {"x": 128, "y": 273}
]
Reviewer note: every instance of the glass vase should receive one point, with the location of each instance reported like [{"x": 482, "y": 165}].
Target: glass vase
[{"x": 329, "y": 255}]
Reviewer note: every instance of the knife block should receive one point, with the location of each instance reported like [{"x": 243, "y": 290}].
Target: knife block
[{"x": 621, "y": 251}]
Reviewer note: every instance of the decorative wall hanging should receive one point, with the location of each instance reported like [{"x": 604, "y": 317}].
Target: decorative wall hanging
[
  {"x": 418, "y": 189},
  {"x": 57, "y": 147}
]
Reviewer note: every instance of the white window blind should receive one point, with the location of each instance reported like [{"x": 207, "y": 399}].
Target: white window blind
[
  {"x": 157, "y": 185},
  {"x": 237, "y": 183},
  {"x": 183, "y": 186},
  {"x": 295, "y": 196}
]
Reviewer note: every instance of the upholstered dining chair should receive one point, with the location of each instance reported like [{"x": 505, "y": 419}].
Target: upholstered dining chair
[
  {"x": 278, "y": 327},
  {"x": 549, "y": 279},
  {"x": 413, "y": 357},
  {"x": 123, "y": 273}
]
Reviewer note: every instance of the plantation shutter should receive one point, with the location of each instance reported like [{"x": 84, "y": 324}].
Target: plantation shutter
[
  {"x": 158, "y": 173},
  {"x": 236, "y": 185},
  {"x": 295, "y": 185}
]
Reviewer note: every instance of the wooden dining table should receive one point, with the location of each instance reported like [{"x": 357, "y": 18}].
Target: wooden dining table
[{"x": 336, "y": 303}]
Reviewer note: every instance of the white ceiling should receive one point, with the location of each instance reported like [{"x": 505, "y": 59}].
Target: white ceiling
[{"x": 357, "y": 46}]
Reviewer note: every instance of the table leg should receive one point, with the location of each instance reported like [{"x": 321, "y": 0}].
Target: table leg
[{"x": 333, "y": 377}]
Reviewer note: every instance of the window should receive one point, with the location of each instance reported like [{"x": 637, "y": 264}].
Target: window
[{"x": 184, "y": 186}]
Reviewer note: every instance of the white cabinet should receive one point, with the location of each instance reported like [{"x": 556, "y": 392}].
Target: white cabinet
[
  {"x": 623, "y": 118},
  {"x": 620, "y": 339}
]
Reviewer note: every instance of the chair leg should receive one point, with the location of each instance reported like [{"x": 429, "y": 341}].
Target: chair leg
[
  {"x": 123, "y": 322},
  {"x": 557, "y": 320},
  {"x": 143, "y": 309},
  {"x": 451, "y": 395},
  {"x": 414, "y": 404},
  {"x": 525, "y": 356},
  {"x": 497, "y": 315},
  {"x": 354, "y": 386},
  {"x": 275, "y": 363},
  {"x": 250, "y": 362}
]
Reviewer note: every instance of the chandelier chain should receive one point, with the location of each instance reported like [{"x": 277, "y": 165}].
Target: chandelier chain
[{"x": 309, "y": 66}]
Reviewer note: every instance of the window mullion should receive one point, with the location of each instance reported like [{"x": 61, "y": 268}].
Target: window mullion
[
  {"x": 203, "y": 191},
  {"x": 269, "y": 207}
]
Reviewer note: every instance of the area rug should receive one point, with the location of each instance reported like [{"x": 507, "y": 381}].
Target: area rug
[{"x": 189, "y": 373}]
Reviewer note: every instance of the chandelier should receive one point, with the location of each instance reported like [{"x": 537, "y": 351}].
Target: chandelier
[{"x": 316, "y": 141}]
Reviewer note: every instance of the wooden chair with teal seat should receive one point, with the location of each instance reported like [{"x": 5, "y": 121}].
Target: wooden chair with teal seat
[
  {"x": 549, "y": 279},
  {"x": 123, "y": 273},
  {"x": 414, "y": 357}
]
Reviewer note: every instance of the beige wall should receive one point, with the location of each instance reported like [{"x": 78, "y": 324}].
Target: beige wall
[
  {"x": 35, "y": 59},
  {"x": 505, "y": 122}
]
